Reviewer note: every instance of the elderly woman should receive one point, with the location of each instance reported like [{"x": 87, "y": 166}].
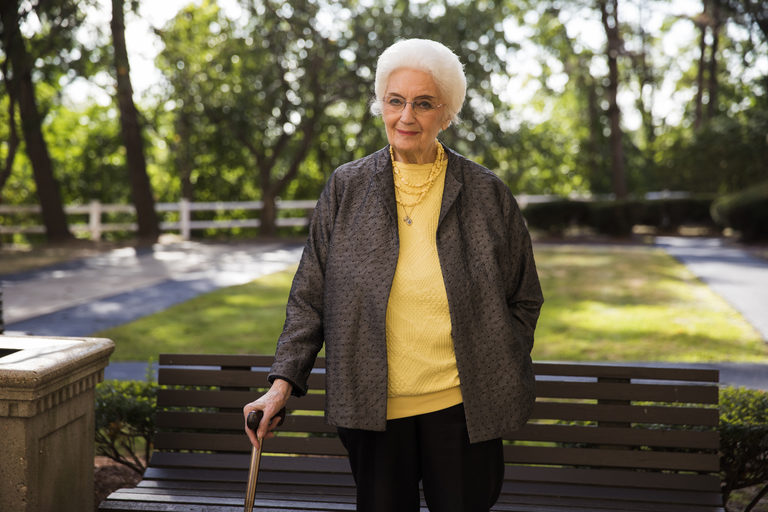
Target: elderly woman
[{"x": 418, "y": 275}]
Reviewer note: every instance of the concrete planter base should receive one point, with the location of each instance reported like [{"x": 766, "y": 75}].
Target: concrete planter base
[{"x": 47, "y": 421}]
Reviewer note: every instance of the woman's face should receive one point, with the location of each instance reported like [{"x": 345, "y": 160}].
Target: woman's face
[{"x": 412, "y": 135}]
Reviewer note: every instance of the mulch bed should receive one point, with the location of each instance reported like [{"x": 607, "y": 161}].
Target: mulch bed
[{"x": 109, "y": 476}]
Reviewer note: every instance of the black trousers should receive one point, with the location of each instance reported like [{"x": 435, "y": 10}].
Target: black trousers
[{"x": 432, "y": 448}]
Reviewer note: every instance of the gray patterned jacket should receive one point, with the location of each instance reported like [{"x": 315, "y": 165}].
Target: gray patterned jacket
[{"x": 341, "y": 289}]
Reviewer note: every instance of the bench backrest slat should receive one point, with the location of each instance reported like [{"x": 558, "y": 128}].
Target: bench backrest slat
[{"x": 628, "y": 391}]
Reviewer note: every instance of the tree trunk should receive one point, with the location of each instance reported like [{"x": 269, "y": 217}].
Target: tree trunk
[
  {"x": 270, "y": 189},
  {"x": 712, "y": 87},
  {"x": 268, "y": 213},
  {"x": 48, "y": 191},
  {"x": 698, "y": 109},
  {"x": 610, "y": 18},
  {"x": 141, "y": 188},
  {"x": 13, "y": 136},
  {"x": 182, "y": 149}
]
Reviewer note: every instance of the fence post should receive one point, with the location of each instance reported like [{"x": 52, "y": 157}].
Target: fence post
[
  {"x": 184, "y": 218},
  {"x": 94, "y": 220}
]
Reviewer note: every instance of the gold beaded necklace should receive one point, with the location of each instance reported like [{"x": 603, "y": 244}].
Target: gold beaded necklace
[{"x": 420, "y": 190}]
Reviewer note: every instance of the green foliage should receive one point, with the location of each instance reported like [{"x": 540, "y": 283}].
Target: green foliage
[
  {"x": 745, "y": 211},
  {"x": 614, "y": 218},
  {"x": 125, "y": 421},
  {"x": 88, "y": 154},
  {"x": 670, "y": 214},
  {"x": 743, "y": 438},
  {"x": 617, "y": 218},
  {"x": 726, "y": 155},
  {"x": 249, "y": 97},
  {"x": 278, "y": 87},
  {"x": 555, "y": 217}
]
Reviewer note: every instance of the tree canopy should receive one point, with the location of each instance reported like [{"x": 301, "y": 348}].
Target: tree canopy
[{"x": 262, "y": 99}]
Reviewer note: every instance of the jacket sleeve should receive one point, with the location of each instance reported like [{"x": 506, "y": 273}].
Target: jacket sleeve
[
  {"x": 302, "y": 336},
  {"x": 524, "y": 296}
]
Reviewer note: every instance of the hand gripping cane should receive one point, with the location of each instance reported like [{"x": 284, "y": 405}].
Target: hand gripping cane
[{"x": 254, "y": 418}]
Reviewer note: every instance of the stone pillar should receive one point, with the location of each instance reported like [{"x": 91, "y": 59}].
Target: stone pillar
[{"x": 47, "y": 421}]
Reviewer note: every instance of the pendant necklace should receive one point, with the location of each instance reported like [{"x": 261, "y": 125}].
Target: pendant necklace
[
  {"x": 404, "y": 187},
  {"x": 408, "y": 220}
]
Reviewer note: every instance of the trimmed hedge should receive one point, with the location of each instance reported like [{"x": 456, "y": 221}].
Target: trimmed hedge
[
  {"x": 673, "y": 213},
  {"x": 617, "y": 218},
  {"x": 743, "y": 439},
  {"x": 745, "y": 212},
  {"x": 555, "y": 217}
]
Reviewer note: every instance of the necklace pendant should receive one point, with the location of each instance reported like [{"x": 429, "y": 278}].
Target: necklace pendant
[{"x": 408, "y": 220}]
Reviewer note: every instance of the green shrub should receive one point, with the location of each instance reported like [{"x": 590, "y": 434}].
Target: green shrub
[
  {"x": 125, "y": 421},
  {"x": 743, "y": 439},
  {"x": 670, "y": 214},
  {"x": 555, "y": 217},
  {"x": 745, "y": 211},
  {"x": 615, "y": 218}
]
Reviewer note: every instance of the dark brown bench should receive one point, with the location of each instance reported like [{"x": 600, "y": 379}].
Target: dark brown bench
[{"x": 603, "y": 437}]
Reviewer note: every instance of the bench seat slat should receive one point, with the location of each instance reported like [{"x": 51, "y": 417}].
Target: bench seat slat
[
  {"x": 569, "y": 504},
  {"x": 259, "y": 503},
  {"x": 511, "y": 490}
]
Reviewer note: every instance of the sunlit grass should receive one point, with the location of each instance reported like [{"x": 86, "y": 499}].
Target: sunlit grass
[
  {"x": 606, "y": 303},
  {"x": 603, "y": 303},
  {"x": 245, "y": 319}
]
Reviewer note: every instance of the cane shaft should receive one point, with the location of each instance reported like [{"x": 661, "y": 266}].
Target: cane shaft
[
  {"x": 252, "y": 422},
  {"x": 253, "y": 476}
]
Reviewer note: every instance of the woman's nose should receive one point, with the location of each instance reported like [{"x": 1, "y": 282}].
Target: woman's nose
[{"x": 407, "y": 113}]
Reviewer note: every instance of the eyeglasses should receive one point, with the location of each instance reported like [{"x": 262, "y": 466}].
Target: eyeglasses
[{"x": 423, "y": 106}]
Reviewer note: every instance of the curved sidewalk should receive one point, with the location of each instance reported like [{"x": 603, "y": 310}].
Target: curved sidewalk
[
  {"x": 734, "y": 274},
  {"x": 85, "y": 296}
]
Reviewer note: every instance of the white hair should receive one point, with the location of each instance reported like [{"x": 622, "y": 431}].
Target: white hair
[{"x": 431, "y": 57}]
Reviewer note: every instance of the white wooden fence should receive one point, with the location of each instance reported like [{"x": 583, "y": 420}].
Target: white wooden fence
[{"x": 95, "y": 226}]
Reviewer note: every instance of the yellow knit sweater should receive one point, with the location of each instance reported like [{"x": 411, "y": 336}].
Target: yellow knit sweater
[{"x": 423, "y": 376}]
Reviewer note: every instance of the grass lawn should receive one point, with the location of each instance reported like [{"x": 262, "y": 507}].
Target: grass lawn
[
  {"x": 613, "y": 303},
  {"x": 603, "y": 303}
]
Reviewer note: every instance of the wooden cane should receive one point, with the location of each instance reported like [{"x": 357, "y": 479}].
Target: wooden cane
[{"x": 253, "y": 420}]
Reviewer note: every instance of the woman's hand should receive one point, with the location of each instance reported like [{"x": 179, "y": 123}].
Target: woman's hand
[{"x": 270, "y": 404}]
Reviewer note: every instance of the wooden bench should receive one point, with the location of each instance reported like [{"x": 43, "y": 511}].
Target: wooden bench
[{"x": 603, "y": 437}]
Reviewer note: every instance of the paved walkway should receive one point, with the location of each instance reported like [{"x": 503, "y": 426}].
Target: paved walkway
[
  {"x": 741, "y": 279},
  {"x": 85, "y": 296}
]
